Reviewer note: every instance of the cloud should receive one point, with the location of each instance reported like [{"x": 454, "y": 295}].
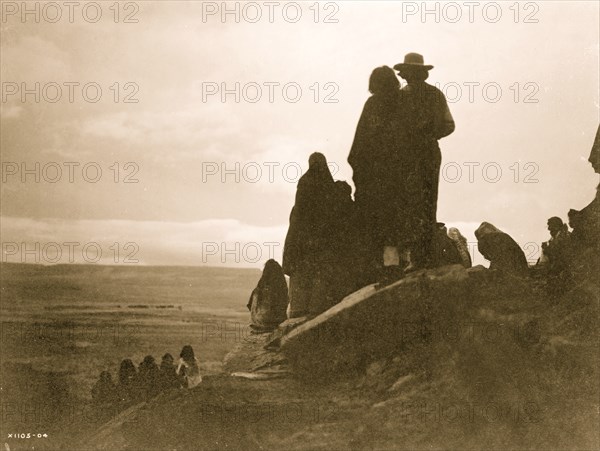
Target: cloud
[
  {"x": 33, "y": 59},
  {"x": 185, "y": 133},
  {"x": 213, "y": 242},
  {"x": 171, "y": 132}
]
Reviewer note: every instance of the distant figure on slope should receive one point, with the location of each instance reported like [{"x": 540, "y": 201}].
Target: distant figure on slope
[
  {"x": 308, "y": 254},
  {"x": 168, "y": 374},
  {"x": 148, "y": 378},
  {"x": 426, "y": 119},
  {"x": 461, "y": 246},
  {"x": 268, "y": 301},
  {"x": 104, "y": 390},
  {"x": 188, "y": 368},
  {"x": 127, "y": 378},
  {"x": 501, "y": 250}
]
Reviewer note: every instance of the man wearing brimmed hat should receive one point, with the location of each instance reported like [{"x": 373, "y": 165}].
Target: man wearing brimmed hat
[
  {"x": 412, "y": 60},
  {"x": 415, "y": 72},
  {"x": 427, "y": 118}
]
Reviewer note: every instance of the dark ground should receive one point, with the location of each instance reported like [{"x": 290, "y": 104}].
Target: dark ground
[{"x": 532, "y": 383}]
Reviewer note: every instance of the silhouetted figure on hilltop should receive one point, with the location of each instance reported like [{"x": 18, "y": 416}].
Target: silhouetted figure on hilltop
[
  {"x": 269, "y": 300},
  {"x": 376, "y": 161},
  {"x": 309, "y": 250},
  {"x": 188, "y": 368},
  {"x": 427, "y": 119},
  {"x": 168, "y": 374},
  {"x": 127, "y": 379},
  {"x": 501, "y": 250},
  {"x": 396, "y": 161},
  {"x": 461, "y": 246},
  {"x": 373, "y": 141}
]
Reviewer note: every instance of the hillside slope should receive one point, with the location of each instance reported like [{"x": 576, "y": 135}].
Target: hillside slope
[{"x": 443, "y": 359}]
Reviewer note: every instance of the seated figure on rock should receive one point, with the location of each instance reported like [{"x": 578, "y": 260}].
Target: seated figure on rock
[
  {"x": 269, "y": 300},
  {"x": 557, "y": 248},
  {"x": 148, "y": 378},
  {"x": 126, "y": 389},
  {"x": 501, "y": 250},
  {"x": 168, "y": 373},
  {"x": 188, "y": 368}
]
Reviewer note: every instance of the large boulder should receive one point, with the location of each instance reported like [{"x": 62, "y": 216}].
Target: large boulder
[{"x": 372, "y": 323}]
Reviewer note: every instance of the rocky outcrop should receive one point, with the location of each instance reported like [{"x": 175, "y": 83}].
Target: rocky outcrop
[
  {"x": 373, "y": 323},
  {"x": 252, "y": 358}
]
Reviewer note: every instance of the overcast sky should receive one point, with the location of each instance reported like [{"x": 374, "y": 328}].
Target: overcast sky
[{"x": 524, "y": 97}]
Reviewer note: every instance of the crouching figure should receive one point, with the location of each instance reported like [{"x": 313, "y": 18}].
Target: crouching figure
[
  {"x": 501, "y": 250},
  {"x": 268, "y": 301}
]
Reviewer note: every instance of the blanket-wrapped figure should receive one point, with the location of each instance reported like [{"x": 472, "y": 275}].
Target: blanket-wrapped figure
[
  {"x": 501, "y": 250},
  {"x": 268, "y": 301}
]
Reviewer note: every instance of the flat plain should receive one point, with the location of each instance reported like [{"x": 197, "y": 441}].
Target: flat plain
[{"x": 64, "y": 324}]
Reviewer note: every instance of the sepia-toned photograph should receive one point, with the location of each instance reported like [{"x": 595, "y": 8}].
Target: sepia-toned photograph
[{"x": 299, "y": 225}]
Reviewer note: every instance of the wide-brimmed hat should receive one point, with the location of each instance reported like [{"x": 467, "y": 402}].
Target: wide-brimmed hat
[{"x": 413, "y": 60}]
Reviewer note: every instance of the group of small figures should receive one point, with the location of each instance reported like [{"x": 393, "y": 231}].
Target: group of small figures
[{"x": 147, "y": 381}]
